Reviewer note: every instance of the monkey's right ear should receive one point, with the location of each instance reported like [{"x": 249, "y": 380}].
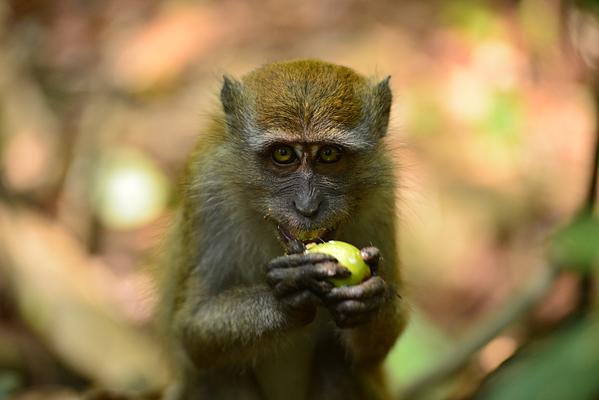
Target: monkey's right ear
[{"x": 230, "y": 94}]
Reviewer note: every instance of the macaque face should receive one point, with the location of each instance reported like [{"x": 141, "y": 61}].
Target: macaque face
[
  {"x": 306, "y": 134},
  {"x": 310, "y": 188}
]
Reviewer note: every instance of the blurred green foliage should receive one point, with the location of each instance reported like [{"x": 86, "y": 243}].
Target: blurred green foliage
[
  {"x": 562, "y": 367},
  {"x": 565, "y": 364},
  {"x": 421, "y": 346},
  {"x": 590, "y": 5},
  {"x": 539, "y": 24},
  {"x": 504, "y": 120},
  {"x": 9, "y": 382},
  {"x": 577, "y": 245},
  {"x": 475, "y": 18}
]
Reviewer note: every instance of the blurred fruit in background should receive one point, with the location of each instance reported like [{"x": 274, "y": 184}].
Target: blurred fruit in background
[{"x": 129, "y": 189}]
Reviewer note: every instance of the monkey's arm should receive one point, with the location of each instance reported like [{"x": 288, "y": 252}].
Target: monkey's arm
[
  {"x": 369, "y": 343},
  {"x": 239, "y": 324},
  {"x": 235, "y": 325}
]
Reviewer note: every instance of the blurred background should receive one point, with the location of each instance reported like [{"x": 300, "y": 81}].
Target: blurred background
[{"x": 493, "y": 128}]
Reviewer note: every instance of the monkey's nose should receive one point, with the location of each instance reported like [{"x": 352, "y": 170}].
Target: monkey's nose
[{"x": 307, "y": 207}]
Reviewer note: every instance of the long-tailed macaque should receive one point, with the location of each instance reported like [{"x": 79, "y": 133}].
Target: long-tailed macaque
[{"x": 297, "y": 155}]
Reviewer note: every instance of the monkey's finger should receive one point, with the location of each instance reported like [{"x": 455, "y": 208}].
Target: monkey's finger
[
  {"x": 301, "y": 306},
  {"x": 372, "y": 287},
  {"x": 273, "y": 277},
  {"x": 371, "y": 256},
  {"x": 326, "y": 270},
  {"x": 352, "y": 312},
  {"x": 295, "y": 247},
  {"x": 289, "y": 277},
  {"x": 343, "y": 320},
  {"x": 319, "y": 288},
  {"x": 301, "y": 299},
  {"x": 354, "y": 307},
  {"x": 320, "y": 271},
  {"x": 285, "y": 288},
  {"x": 313, "y": 277},
  {"x": 350, "y": 307},
  {"x": 340, "y": 319},
  {"x": 288, "y": 287},
  {"x": 294, "y": 260},
  {"x": 351, "y": 321},
  {"x": 316, "y": 277},
  {"x": 283, "y": 280}
]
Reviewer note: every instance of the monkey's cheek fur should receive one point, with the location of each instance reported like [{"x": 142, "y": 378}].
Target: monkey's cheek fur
[{"x": 348, "y": 256}]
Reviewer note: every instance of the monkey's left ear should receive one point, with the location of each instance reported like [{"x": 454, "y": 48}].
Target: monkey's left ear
[{"x": 382, "y": 98}]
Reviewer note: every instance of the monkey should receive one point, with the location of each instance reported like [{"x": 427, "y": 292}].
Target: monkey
[{"x": 296, "y": 155}]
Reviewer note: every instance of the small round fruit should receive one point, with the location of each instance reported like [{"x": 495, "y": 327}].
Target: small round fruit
[{"x": 348, "y": 256}]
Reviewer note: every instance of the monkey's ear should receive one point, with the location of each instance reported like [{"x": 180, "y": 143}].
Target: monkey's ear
[
  {"x": 230, "y": 94},
  {"x": 382, "y": 106}
]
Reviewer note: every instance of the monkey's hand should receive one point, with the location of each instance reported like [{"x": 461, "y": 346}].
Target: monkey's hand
[
  {"x": 355, "y": 305},
  {"x": 298, "y": 281}
]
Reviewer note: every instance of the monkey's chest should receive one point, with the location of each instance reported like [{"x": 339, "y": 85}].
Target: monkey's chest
[{"x": 287, "y": 374}]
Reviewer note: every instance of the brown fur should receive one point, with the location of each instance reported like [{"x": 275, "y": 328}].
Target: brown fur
[
  {"x": 333, "y": 99},
  {"x": 230, "y": 336}
]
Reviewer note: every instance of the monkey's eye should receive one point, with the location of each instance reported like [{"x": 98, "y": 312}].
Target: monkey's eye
[
  {"x": 329, "y": 154},
  {"x": 284, "y": 155}
]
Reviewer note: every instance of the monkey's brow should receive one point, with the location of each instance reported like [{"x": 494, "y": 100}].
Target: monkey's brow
[{"x": 265, "y": 141}]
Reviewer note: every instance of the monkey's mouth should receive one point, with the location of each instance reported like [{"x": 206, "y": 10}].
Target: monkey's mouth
[{"x": 289, "y": 236}]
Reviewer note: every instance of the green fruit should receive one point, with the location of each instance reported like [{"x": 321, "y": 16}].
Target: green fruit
[{"x": 348, "y": 256}]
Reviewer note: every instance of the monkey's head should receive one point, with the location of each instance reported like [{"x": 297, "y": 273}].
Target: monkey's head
[{"x": 307, "y": 138}]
